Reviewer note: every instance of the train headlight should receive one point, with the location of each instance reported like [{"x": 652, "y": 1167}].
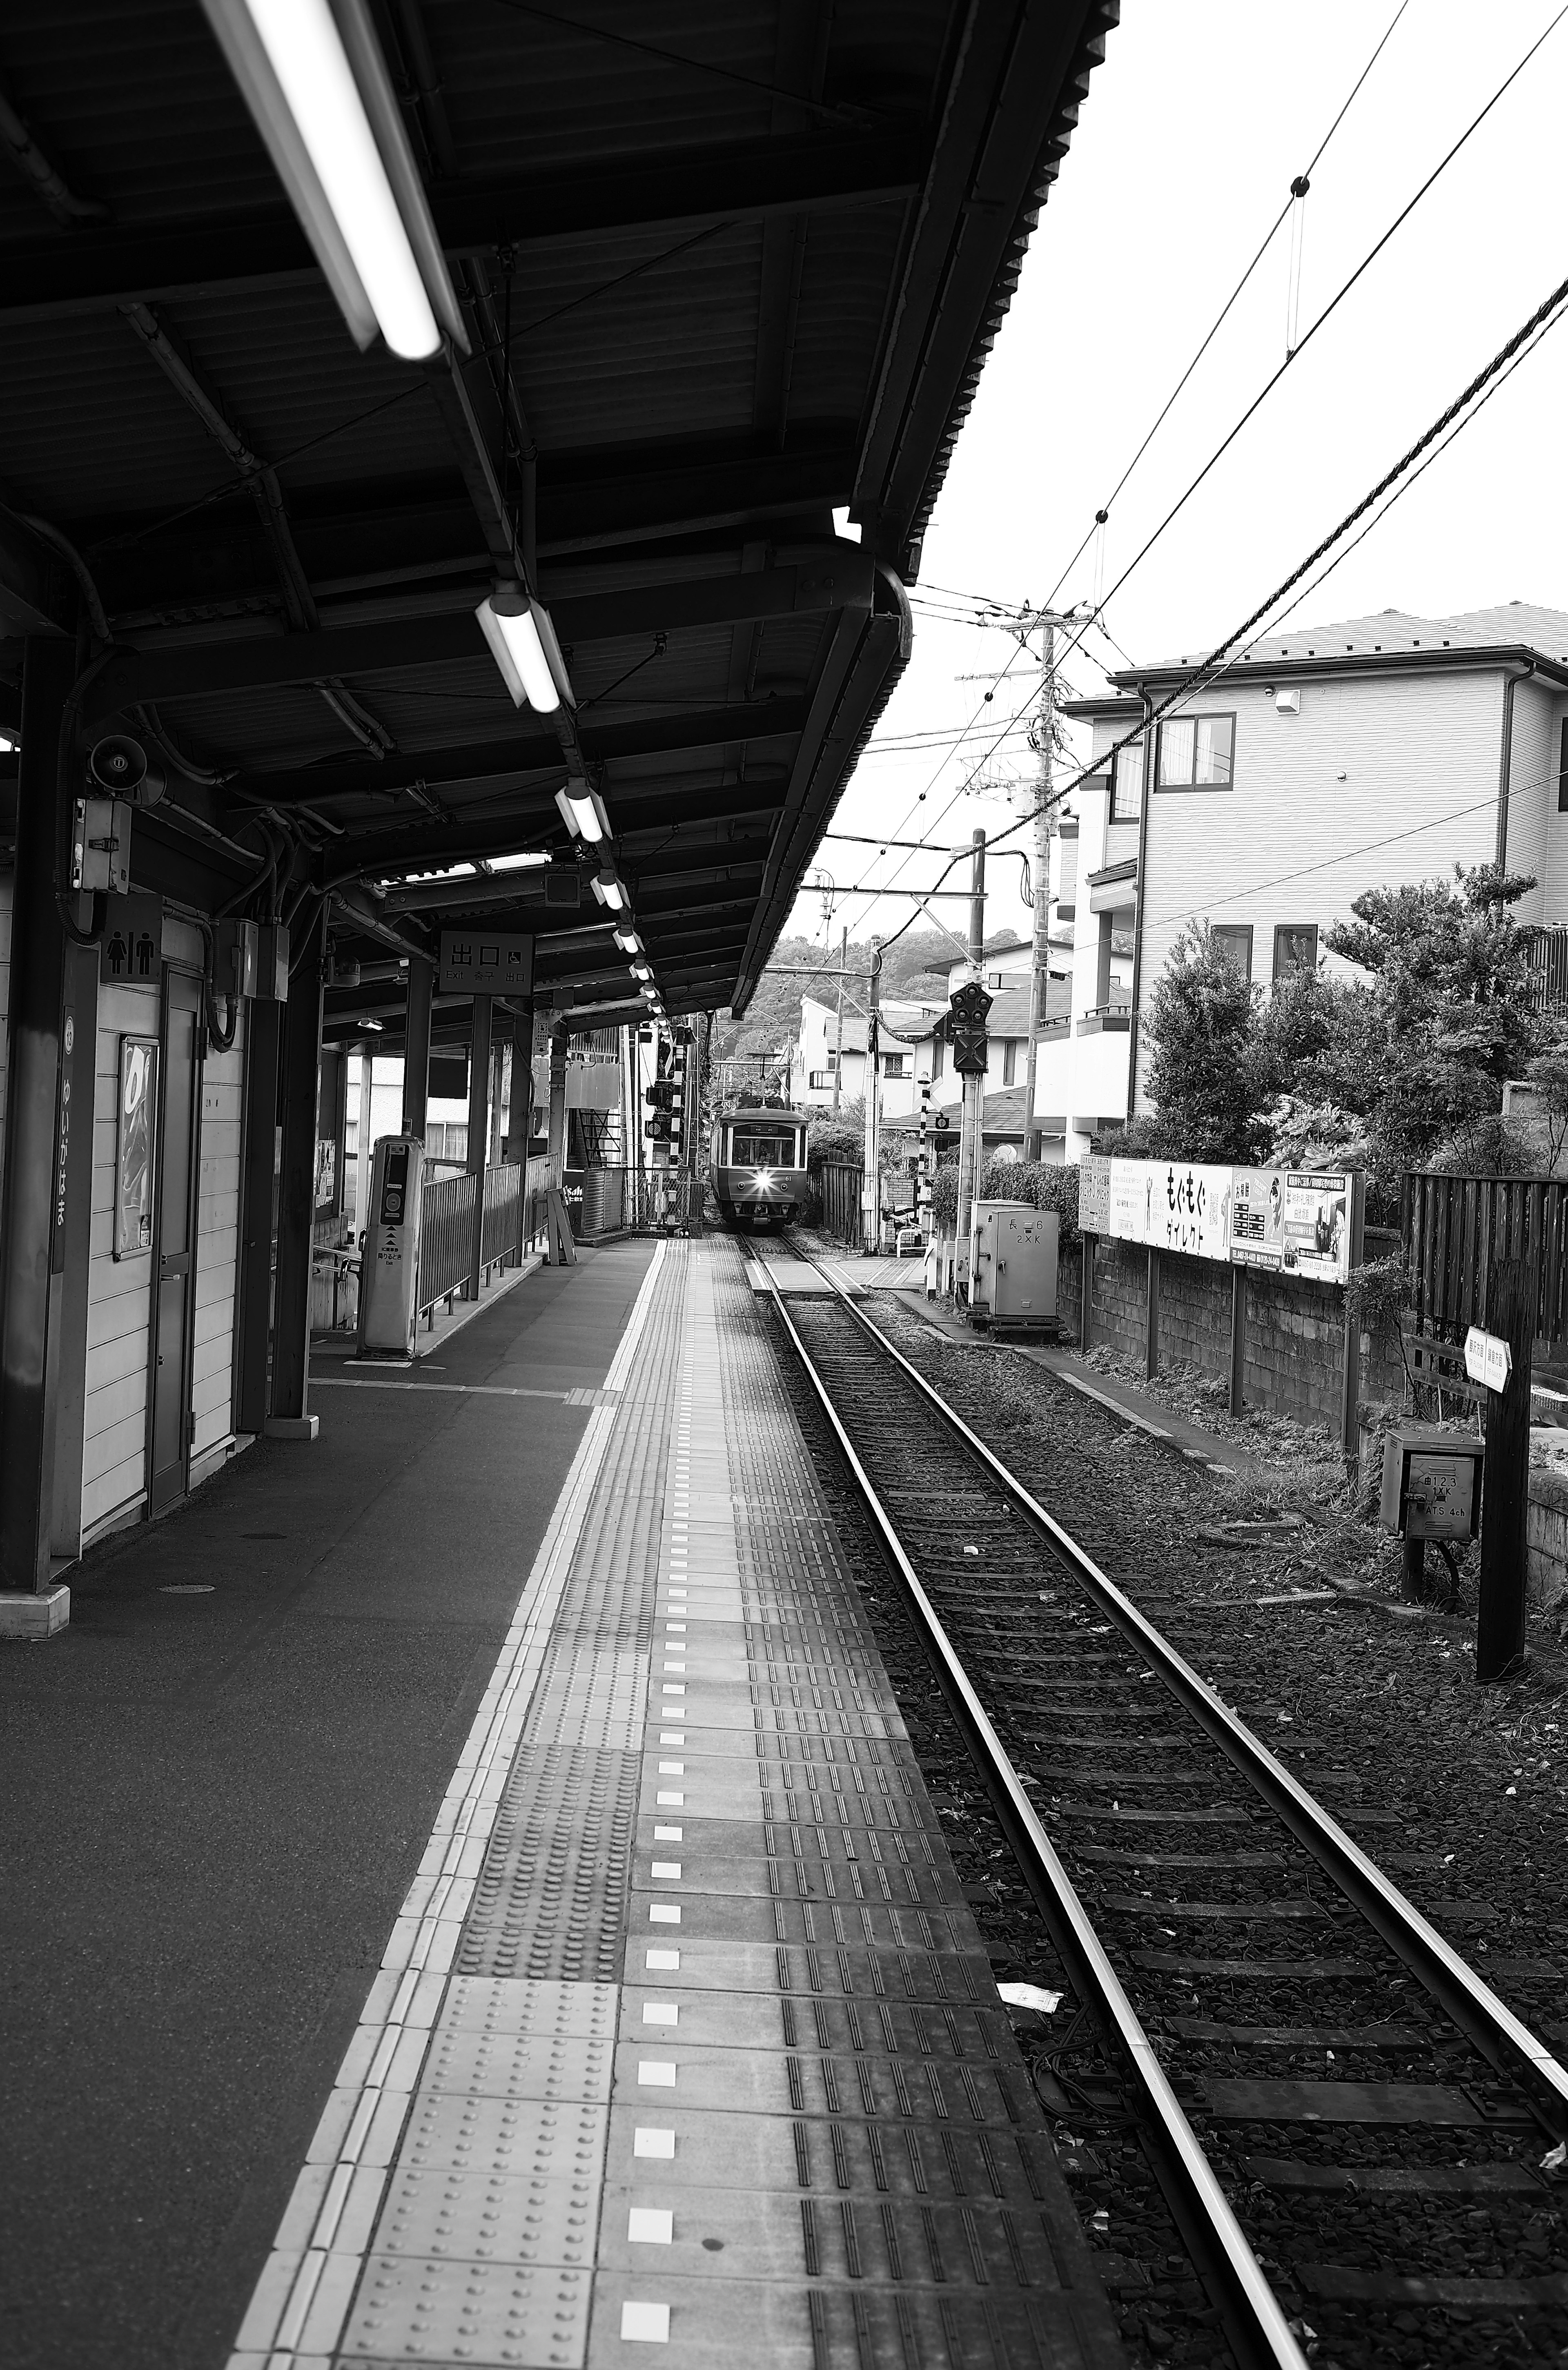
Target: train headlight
[{"x": 764, "y": 1179}]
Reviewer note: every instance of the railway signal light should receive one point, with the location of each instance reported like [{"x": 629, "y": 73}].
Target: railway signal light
[{"x": 966, "y": 1024}]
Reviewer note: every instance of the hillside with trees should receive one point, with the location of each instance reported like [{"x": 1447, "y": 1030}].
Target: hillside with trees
[{"x": 914, "y": 968}]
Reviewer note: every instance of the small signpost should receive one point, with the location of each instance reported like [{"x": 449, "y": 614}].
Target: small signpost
[
  {"x": 1502, "y": 1365},
  {"x": 1488, "y": 1359}
]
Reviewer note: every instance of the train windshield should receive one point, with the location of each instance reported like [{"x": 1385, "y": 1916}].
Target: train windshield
[{"x": 762, "y": 1148}]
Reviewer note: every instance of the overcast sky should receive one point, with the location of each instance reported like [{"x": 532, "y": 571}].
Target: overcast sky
[{"x": 1192, "y": 129}]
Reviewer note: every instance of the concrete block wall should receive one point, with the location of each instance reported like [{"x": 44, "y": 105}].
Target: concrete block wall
[{"x": 1295, "y": 1329}]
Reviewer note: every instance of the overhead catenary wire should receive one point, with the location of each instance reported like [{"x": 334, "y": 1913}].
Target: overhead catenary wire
[
  {"x": 1222, "y": 315},
  {"x": 1226, "y": 654},
  {"x": 1326, "y": 315}
]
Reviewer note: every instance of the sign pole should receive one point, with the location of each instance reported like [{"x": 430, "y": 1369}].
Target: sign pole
[
  {"x": 973, "y": 1120},
  {"x": 1500, "y": 1626}
]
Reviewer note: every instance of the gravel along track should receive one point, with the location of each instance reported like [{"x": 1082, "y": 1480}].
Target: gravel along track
[{"x": 1389, "y": 2179}]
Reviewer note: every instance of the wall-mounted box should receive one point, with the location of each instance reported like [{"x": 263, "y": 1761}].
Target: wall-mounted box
[
  {"x": 1432, "y": 1483},
  {"x": 273, "y": 962},
  {"x": 235, "y": 958},
  {"x": 100, "y": 846}
]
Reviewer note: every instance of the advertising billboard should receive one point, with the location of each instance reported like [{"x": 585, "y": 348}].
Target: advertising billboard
[
  {"x": 1172, "y": 1205},
  {"x": 1295, "y": 1220}
]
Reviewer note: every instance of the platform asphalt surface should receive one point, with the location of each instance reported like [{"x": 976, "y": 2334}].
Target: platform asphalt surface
[{"x": 217, "y": 1803}]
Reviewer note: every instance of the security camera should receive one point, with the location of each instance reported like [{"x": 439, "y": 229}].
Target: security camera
[{"x": 121, "y": 766}]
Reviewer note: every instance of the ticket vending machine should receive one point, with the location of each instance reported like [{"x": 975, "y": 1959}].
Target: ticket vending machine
[{"x": 389, "y": 1258}]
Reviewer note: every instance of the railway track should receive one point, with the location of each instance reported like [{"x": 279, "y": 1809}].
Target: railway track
[{"x": 1333, "y": 2101}]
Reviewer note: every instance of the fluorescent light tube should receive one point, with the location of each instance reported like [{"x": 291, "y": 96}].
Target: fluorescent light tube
[
  {"x": 583, "y": 811},
  {"x": 629, "y": 941},
  {"x": 313, "y": 76},
  {"x": 609, "y": 890},
  {"x": 508, "y": 622}
]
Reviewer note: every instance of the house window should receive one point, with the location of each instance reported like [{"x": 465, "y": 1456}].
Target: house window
[
  {"x": 936, "y": 1050},
  {"x": 1295, "y": 947},
  {"x": 1010, "y": 1060},
  {"x": 1127, "y": 783},
  {"x": 1563, "y": 769},
  {"x": 820, "y": 1081},
  {"x": 996, "y": 979},
  {"x": 895, "y": 1065},
  {"x": 1234, "y": 940},
  {"x": 1195, "y": 753}
]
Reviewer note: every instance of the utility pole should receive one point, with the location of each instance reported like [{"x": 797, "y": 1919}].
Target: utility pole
[
  {"x": 871, "y": 1200},
  {"x": 1040, "y": 970},
  {"x": 839, "y": 1038},
  {"x": 972, "y": 1123}
]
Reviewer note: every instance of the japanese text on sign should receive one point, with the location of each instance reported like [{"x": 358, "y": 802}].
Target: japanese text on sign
[{"x": 486, "y": 962}]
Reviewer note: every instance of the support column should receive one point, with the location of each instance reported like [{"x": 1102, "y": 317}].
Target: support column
[
  {"x": 416, "y": 1048},
  {"x": 499, "y": 1050},
  {"x": 71, "y": 1259},
  {"x": 478, "y": 1129},
  {"x": 31, "y": 1284},
  {"x": 258, "y": 1170},
  {"x": 1504, "y": 1497},
  {"x": 365, "y": 1152},
  {"x": 559, "y": 1042},
  {"x": 521, "y": 1121},
  {"x": 290, "y": 1418},
  {"x": 1237, "y": 1338}
]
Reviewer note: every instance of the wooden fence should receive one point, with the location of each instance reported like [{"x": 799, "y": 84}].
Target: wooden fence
[
  {"x": 1453, "y": 1228},
  {"x": 841, "y": 1188}
]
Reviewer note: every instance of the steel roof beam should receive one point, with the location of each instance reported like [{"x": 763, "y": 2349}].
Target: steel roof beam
[
  {"x": 99, "y": 270},
  {"x": 401, "y": 644}
]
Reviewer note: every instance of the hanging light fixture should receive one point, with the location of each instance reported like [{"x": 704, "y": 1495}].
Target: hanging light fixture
[
  {"x": 583, "y": 811},
  {"x": 312, "y": 74},
  {"x": 523, "y": 646},
  {"x": 608, "y": 889},
  {"x": 628, "y": 940}
]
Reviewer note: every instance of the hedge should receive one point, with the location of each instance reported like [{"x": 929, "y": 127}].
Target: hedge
[{"x": 1041, "y": 1183}]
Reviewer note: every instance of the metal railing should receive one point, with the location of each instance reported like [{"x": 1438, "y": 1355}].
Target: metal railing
[
  {"x": 1548, "y": 959},
  {"x": 446, "y": 1239},
  {"x": 1453, "y": 1228}
]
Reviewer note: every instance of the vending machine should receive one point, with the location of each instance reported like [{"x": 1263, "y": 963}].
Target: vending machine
[{"x": 390, "y": 1256}]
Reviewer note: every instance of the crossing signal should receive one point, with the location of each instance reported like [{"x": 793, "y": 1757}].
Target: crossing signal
[{"x": 966, "y": 1027}]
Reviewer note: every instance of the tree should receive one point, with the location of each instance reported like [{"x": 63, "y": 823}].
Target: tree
[
  {"x": 1207, "y": 1076},
  {"x": 1421, "y": 1052},
  {"x": 1547, "y": 1074}
]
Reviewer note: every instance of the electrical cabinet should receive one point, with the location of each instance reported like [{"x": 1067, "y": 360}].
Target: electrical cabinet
[
  {"x": 1432, "y": 1483},
  {"x": 390, "y": 1256},
  {"x": 1012, "y": 1265}
]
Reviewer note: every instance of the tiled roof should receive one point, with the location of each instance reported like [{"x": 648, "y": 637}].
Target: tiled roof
[{"x": 1544, "y": 631}]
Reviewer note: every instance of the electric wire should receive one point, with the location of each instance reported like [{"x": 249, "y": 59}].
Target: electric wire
[
  {"x": 1461, "y": 410},
  {"x": 1225, "y": 310},
  {"x": 1329, "y": 310}
]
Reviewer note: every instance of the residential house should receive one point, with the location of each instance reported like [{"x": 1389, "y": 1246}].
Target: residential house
[{"x": 1328, "y": 761}]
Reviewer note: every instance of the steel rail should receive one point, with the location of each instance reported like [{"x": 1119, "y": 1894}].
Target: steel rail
[
  {"x": 1503, "y": 2039},
  {"x": 1254, "y": 2321}
]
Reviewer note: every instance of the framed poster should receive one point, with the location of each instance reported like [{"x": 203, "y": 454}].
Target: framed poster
[
  {"x": 135, "y": 1146},
  {"x": 1295, "y": 1220}
]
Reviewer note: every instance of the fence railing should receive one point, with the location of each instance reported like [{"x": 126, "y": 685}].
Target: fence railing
[
  {"x": 447, "y": 1238},
  {"x": 1452, "y": 1229},
  {"x": 603, "y": 1201},
  {"x": 841, "y": 1188},
  {"x": 1548, "y": 959}
]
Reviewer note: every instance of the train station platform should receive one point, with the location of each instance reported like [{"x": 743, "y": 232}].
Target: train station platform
[{"x": 475, "y": 1902}]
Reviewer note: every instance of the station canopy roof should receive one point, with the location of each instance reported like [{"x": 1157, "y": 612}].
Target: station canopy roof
[{"x": 715, "y": 274}]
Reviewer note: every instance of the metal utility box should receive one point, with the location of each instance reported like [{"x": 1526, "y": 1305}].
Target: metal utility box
[
  {"x": 100, "y": 846},
  {"x": 1012, "y": 1264},
  {"x": 1432, "y": 1483},
  {"x": 235, "y": 959},
  {"x": 390, "y": 1256},
  {"x": 273, "y": 962}
]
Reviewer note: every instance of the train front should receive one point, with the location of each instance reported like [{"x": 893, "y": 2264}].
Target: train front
[{"x": 759, "y": 1174}]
